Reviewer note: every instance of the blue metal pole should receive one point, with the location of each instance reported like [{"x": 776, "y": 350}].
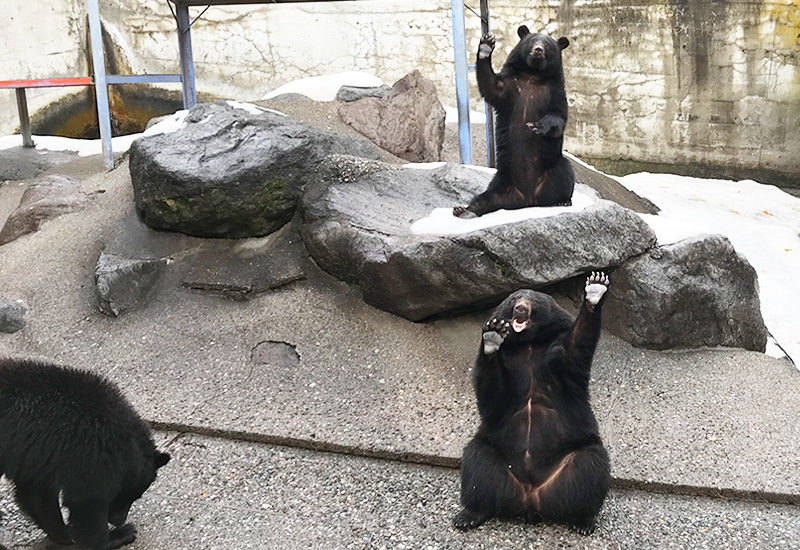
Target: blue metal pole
[
  {"x": 462, "y": 87},
  {"x": 100, "y": 84},
  {"x": 490, "y": 144},
  {"x": 185, "y": 49},
  {"x": 24, "y": 119}
]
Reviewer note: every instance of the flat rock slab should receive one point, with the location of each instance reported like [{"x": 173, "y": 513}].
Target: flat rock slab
[
  {"x": 44, "y": 199},
  {"x": 357, "y": 225},
  {"x": 693, "y": 293},
  {"x": 137, "y": 259},
  {"x": 217, "y": 494},
  {"x": 228, "y": 169},
  {"x": 23, "y": 163}
]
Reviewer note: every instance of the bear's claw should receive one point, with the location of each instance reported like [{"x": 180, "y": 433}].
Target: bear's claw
[{"x": 495, "y": 332}]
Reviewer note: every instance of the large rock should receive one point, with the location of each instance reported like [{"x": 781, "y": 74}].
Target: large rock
[
  {"x": 228, "y": 169},
  {"x": 696, "y": 292},
  {"x": 408, "y": 121},
  {"x": 44, "y": 199},
  {"x": 12, "y": 315},
  {"x": 357, "y": 225}
]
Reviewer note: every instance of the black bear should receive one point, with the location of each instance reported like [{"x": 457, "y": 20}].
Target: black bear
[
  {"x": 531, "y": 104},
  {"x": 69, "y": 432},
  {"x": 537, "y": 453}
]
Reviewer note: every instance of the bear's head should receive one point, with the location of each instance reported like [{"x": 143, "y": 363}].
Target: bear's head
[
  {"x": 536, "y": 54},
  {"x": 135, "y": 483},
  {"x": 533, "y": 316}
]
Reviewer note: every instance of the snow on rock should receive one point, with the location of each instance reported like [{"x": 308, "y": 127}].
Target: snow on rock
[
  {"x": 325, "y": 88},
  {"x": 442, "y": 222},
  {"x": 761, "y": 221}
]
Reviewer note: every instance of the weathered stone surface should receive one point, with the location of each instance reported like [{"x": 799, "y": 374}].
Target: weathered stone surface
[
  {"x": 138, "y": 260},
  {"x": 353, "y": 93},
  {"x": 123, "y": 283},
  {"x": 408, "y": 121},
  {"x": 228, "y": 169},
  {"x": 43, "y": 200},
  {"x": 357, "y": 220},
  {"x": 696, "y": 292},
  {"x": 12, "y": 315}
]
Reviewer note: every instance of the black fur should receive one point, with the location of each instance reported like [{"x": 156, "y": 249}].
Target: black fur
[
  {"x": 531, "y": 104},
  {"x": 69, "y": 432},
  {"x": 537, "y": 453}
]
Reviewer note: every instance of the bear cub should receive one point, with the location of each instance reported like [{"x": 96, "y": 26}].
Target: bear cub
[
  {"x": 537, "y": 453},
  {"x": 531, "y": 106},
  {"x": 71, "y": 433}
]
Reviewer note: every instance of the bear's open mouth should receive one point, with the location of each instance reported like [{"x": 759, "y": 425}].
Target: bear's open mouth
[{"x": 519, "y": 323}]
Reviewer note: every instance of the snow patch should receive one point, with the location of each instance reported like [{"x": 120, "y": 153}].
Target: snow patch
[
  {"x": 442, "y": 222},
  {"x": 83, "y": 147},
  {"x": 325, "y": 88},
  {"x": 252, "y": 109},
  {"x": 761, "y": 221},
  {"x": 451, "y": 116},
  {"x": 172, "y": 123}
]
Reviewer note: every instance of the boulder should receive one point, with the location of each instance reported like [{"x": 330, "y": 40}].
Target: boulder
[
  {"x": 228, "y": 169},
  {"x": 693, "y": 293},
  {"x": 12, "y": 315},
  {"x": 357, "y": 219},
  {"x": 123, "y": 283},
  {"x": 408, "y": 121},
  {"x": 44, "y": 199}
]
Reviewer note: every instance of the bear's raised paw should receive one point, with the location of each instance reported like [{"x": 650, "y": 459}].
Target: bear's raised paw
[
  {"x": 495, "y": 332},
  {"x": 596, "y": 286}
]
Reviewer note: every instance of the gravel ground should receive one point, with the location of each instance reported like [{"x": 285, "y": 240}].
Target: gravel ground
[{"x": 218, "y": 494}]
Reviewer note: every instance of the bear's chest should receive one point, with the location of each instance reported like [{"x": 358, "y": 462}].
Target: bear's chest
[{"x": 531, "y": 99}]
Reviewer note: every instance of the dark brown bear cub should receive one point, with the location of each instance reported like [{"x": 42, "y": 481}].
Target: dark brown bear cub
[
  {"x": 71, "y": 433},
  {"x": 531, "y": 104},
  {"x": 537, "y": 453}
]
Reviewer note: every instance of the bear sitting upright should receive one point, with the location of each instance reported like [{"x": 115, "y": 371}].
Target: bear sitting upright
[
  {"x": 70, "y": 433},
  {"x": 531, "y": 104}
]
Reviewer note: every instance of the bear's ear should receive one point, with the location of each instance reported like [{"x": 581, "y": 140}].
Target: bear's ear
[
  {"x": 523, "y": 31},
  {"x": 563, "y": 42},
  {"x": 160, "y": 459}
]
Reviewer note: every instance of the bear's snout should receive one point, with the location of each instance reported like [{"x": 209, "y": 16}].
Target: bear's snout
[{"x": 538, "y": 51}]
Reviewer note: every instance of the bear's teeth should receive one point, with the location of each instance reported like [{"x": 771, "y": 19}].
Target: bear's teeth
[{"x": 519, "y": 327}]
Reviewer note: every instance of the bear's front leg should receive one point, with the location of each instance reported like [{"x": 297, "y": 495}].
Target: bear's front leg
[
  {"x": 495, "y": 332},
  {"x": 551, "y": 126}
]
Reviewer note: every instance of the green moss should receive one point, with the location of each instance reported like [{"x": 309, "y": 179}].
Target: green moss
[{"x": 503, "y": 269}]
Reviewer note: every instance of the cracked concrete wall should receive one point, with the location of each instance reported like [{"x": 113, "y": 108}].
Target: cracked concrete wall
[{"x": 686, "y": 81}]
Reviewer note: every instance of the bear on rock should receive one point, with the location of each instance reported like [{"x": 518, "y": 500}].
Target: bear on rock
[{"x": 531, "y": 104}]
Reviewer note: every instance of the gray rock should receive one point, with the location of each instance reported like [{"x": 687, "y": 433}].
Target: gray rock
[
  {"x": 228, "y": 171},
  {"x": 137, "y": 261},
  {"x": 43, "y": 200},
  {"x": 356, "y": 225},
  {"x": 12, "y": 315},
  {"x": 407, "y": 122},
  {"x": 696, "y": 292},
  {"x": 124, "y": 283},
  {"x": 353, "y": 93}
]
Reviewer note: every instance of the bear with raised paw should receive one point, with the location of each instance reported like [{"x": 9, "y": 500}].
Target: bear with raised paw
[
  {"x": 537, "y": 453},
  {"x": 531, "y": 104},
  {"x": 70, "y": 434}
]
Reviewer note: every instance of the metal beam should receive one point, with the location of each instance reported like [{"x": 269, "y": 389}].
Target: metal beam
[
  {"x": 462, "y": 85},
  {"x": 141, "y": 78},
  {"x": 185, "y": 49},
  {"x": 100, "y": 87},
  {"x": 46, "y": 83},
  {"x": 24, "y": 120},
  {"x": 490, "y": 143},
  {"x": 205, "y": 3}
]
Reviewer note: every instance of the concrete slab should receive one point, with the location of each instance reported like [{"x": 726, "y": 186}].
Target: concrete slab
[
  {"x": 218, "y": 494},
  {"x": 720, "y": 421}
]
